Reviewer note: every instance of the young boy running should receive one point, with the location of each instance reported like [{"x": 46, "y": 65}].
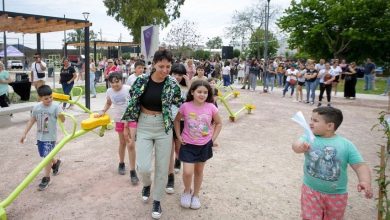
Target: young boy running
[{"x": 45, "y": 114}]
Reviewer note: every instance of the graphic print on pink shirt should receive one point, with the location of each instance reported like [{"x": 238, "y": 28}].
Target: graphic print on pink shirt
[{"x": 197, "y": 122}]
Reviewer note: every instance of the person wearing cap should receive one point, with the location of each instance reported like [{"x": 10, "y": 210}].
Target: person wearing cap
[{"x": 109, "y": 69}]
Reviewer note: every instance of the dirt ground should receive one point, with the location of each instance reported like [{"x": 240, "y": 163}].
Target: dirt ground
[{"x": 254, "y": 174}]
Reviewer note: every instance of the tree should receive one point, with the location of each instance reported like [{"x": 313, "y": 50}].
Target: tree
[
  {"x": 333, "y": 28},
  {"x": 202, "y": 54},
  {"x": 246, "y": 22},
  {"x": 214, "y": 43},
  {"x": 182, "y": 35},
  {"x": 236, "y": 53},
  {"x": 257, "y": 47},
  {"x": 137, "y": 13},
  {"x": 78, "y": 36}
]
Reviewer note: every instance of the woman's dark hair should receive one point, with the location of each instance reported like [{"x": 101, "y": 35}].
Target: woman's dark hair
[
  {"x": 178, "y": 68},
  {"x": 195, "y": 85},
  {"x": 162, "y": 55},
  {"x": 115, "y": 75},
  {"x": 44, "y": 90},
  {"x": 227, "y": 63}
]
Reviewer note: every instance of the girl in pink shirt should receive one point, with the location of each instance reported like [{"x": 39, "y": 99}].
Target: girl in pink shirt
[{"x": 197, "y": 138}]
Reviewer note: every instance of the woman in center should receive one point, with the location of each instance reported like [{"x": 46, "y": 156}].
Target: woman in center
[{"x": 151, "y": 99}]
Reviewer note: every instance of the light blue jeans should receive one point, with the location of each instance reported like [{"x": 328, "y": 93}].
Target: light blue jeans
[
  {"x": 310, "y": 91},
  {"x": 151, "y": 134},
  {"x": 368, "y": 81},
  {"x": 270, "y": 82},
  {"x": 92, "y": 83},
  {"x": 279, "y": 77},
  {"x": 252, "y": 81}
]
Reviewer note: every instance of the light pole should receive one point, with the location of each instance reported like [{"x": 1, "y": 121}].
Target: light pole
[
  {"x": 5, "y": 44},
  {"x": 86, "y": 64},
  {"x": 266, "y": 46}
]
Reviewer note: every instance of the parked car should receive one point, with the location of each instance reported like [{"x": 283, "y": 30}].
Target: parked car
[{"x": 14, "y": 64}]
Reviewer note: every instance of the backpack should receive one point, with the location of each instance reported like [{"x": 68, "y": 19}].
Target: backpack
[{"x": 359, "y": 72}]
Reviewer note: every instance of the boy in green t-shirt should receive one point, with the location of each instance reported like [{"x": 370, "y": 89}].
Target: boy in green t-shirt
[{"x": 324, "y": 190}]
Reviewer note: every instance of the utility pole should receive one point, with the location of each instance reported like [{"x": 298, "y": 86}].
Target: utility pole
[
  {"x": 5, "y": 43},
  {"x": 64, "y": 40},
  {"x": 266, "y": 44},
  {"x": 120, "y": 48}
]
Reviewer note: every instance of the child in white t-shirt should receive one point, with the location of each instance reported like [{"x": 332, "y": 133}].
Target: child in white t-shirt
[
  {"x": 138, "y": 70},
  {"x": 118, "y": 96}
]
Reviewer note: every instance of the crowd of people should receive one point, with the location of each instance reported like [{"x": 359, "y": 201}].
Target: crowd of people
[{"x": 169, "y": 107}]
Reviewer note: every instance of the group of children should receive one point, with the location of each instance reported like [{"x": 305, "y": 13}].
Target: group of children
[{"x": 197, "y": 125}]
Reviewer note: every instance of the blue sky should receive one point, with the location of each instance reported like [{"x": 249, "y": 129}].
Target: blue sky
[{"x": 211, "y": 17}]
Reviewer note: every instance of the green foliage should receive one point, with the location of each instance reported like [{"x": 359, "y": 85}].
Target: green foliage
[
  {"x": 214, "y": 43},
  {"x": 256, "y": 44},
  {"x": 353, "y": 29},
  {"x": 382, "y": 178},
  {"x": 236, "y": 53},
  {"x": 137, "y": 13},
  {"x": 201, "y": 54},
  {"x": 78, "y": 36}
]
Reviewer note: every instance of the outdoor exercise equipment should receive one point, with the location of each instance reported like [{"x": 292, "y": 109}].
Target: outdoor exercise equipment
[{"x": 87, "y": 125}]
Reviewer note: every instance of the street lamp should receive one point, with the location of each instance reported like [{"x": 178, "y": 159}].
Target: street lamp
[
  {"x": 86, "y": 62},
  {"x": 86, "y": 15}
]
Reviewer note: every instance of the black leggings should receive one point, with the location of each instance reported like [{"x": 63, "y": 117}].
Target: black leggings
[
  {"x": 328, "y": 89},
  {"x": 4, "y": 101}
]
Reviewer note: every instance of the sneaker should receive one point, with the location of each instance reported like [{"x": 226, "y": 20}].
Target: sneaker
[
  {"x": 311, "y": 103},
  {"x": 195, "y": 203},
  {"x": 177, "y": 165},
  {"x": 185, "y": 200},
  {"x": 94, "y": 96},
  {"x": 44, "y": 183},
  {"x": 56, "y": 167},
  {"x": 145, "y": 193},
  {"x": 170, "y": 188},
  {"x": 121, "y": 169},
  {"x": 329, "y": 105},
  {"x": 319, "y": 104},
  {"x": 133, "y": 177},
  {"x": 156, "y": 211}
]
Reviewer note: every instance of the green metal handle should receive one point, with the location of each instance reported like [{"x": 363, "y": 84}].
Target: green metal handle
[{"x": 61, "y": 124}]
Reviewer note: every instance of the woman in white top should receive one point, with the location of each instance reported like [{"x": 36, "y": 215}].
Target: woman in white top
[
  {"x": 337, "y": 70},
  {"x": 327, "y": 77},
  {"x": 241, "y": 71},
  {"x": 226, "y": 74}
]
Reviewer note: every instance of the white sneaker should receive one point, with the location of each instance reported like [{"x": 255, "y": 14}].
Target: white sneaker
[
  {"x": 185, "y": 200},
  {"x": 195, "y": 203}
]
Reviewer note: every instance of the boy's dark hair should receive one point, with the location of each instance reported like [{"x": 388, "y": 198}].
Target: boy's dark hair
[
  {"x": 195, "y": 85},
  {"x": 139, "y": 63},
  {"x": 330, "y": 115},
  {"x": 200, "y": 67},
  {"x": 227, "y": 63},
  {"x": 44, "y": 90},
  {"x": 211, "y": 79},
  {"x": 115, "y": 75},
  {"x": 162, "y": 55},
  {"x": 178, "y": 68}
]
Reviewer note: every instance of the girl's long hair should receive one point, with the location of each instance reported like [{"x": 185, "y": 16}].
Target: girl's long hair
[{"x": 197, "y": 84}]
